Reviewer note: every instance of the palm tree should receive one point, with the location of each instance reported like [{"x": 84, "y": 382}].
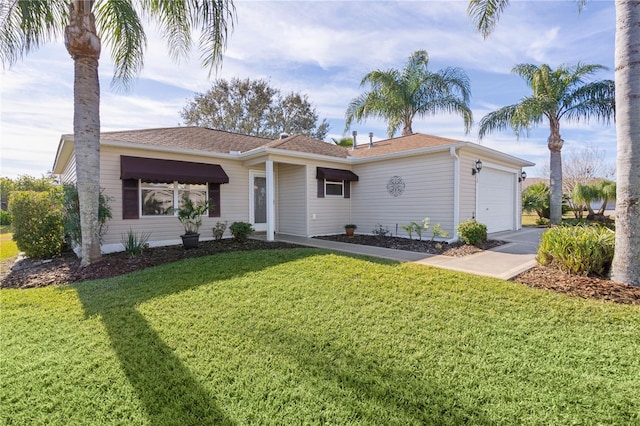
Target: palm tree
[
  {"x": 398, "y": 96},
  {"x": 626, "y": 260},
  {"x": 26, "y": 24},
  {"x": 557, "y": 94}
]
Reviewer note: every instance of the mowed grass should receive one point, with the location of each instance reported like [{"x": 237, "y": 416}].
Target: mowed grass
[
  {"x": 309, "y": 337},
  {"x": 8, "y": 248}
]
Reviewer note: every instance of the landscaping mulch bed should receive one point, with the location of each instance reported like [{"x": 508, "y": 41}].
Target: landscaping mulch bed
[
  {"x": 31, "y": 273},
  {"x": 422, "y": 246}
]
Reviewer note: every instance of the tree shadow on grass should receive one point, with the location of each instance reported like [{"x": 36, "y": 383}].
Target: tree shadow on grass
[
  {"x": 167, "y": 390},
  {"x": 386, "y": 393}
]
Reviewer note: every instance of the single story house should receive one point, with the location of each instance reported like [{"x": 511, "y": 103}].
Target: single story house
[{"x": 297, "y": 185}]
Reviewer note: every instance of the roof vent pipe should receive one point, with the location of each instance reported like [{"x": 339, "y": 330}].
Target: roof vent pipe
[
  {"x": 370, "y": 140},
  {"x": 354, "y": 134},
  {"x": 284, "y": 135}
]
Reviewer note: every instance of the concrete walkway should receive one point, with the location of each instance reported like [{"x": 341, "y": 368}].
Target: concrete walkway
[{"x": 505, "y": 261}]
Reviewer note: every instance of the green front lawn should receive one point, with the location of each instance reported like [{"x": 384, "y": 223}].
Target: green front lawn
[
  {"x": 8, "y": 248},
  {"x": 307, "y": 337}
]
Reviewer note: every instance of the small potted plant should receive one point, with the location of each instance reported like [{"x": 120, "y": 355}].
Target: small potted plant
[
  {"x": 349, "y": 229},
  {"x": 190, "y": 215}
]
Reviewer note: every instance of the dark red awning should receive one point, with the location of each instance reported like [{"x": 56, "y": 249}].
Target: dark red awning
[
  {"x": 155, "y": 170},
  {"x": 335, "y": 174}
]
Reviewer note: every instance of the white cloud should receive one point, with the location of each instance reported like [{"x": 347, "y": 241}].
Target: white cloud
[{"x": 322, "y": 49}]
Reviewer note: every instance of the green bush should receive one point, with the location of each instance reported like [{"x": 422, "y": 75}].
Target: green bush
[
  {"x": 241, "y": 230},
  {"x": 71, "y": 214},
  {"x": 5, "y": 218},
  {"x": 472, "y": 232},
  {"x": 37, "y": 222},
  {"x": 580, "y": 250}
]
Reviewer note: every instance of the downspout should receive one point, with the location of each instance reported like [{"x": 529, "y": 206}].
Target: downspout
[{"x": 456, "y": 193}]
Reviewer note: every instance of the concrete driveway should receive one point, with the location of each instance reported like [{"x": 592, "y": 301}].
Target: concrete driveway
[{"x": 505, "y": 261}]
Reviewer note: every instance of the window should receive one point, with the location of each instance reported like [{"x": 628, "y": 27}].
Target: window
[
  {"x": 333, "y": 188},
  {"x": 162, "y": 199},
  {"x": 156, "y": 199},
  {"x": 334, "y": 182}
]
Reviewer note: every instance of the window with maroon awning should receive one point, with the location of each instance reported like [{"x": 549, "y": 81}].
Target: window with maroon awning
[
  {"x": 156, "y": 170},
  {"x": 136, "y": 169},
  {"x": 335, "y": 174},
  {"x": 341, "y": 177}
]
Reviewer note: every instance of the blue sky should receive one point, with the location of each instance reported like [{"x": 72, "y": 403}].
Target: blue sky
[{"x": 322, "y": 49}]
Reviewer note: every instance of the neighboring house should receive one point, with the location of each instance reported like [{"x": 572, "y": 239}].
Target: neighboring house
[{"x": 297, "y": 185}]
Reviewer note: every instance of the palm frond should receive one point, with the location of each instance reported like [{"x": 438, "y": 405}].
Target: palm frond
[
  {"x": 26, "y": 24},
  {"x": 519, "y": 118},
  {"x": 485, "y": 14},
  {"x": 594, "y": 100},
  {"x": 213, "y": 19},
  {"x": 120, "y": 28}
]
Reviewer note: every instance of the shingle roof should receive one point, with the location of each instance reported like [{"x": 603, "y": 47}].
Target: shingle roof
[
  {"x": 300, "y": 143},
  {"x": 400, "y": 144},
  {"x": 196, "y": 138}
]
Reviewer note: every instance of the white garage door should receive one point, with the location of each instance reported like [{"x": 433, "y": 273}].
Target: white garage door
[{"x": 496, "y": 204}]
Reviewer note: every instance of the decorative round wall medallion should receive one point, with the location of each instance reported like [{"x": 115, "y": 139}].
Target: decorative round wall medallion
[{"x": 395, "y": 186}]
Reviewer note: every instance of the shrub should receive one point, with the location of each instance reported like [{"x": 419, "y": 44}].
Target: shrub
[
  {"x": 5, "y": 218},
  {"x": 37, "y": 222},
  {"x": 580, "y": 250},
  {"x": 71, "y": 214},
  {"x": 241, "y": 230},
  {"x": 472, "y": 232},
  {"x": 381, "y": 231},
  {"x": 218, "y": 230},
  {"x": 135, "y": 243}
]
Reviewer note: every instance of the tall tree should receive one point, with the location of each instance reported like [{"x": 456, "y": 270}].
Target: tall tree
[
  {"x": 26, "y": 24},
  {"x": 252, "y": 107},
  {"x": 398, "y": 96},
  {"x": 626, "y": 260},
  {"x": 560, "y": 94}
]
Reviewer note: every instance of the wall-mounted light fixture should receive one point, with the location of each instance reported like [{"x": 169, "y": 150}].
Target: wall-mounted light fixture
[
  {"x": 475, "y": 170},
  {"x": 523, "y": 176}
]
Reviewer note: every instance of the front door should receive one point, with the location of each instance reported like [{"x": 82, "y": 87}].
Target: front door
[{"x": 258, "y": 201}]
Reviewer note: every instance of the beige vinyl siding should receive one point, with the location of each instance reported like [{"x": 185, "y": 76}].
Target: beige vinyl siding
[
  {"x": 428, "y": 192},
  {"x": 69, "y": 173},
  {"x": 292, "y": 200},
  {"x": 234, "y": 196},
  {"x": 327, "y": 215},
  {"x": 467, "y": 187}
]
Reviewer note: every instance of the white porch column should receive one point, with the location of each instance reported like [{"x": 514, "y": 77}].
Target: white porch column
[{"x": 271, "y": 217}]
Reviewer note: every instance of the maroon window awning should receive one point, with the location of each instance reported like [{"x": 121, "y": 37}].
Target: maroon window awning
[
  {"x": 155, "y": 170},
  {"x": 335, "y": 174}
]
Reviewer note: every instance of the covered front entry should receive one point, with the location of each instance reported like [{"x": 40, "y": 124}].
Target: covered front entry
[{"x": 496, "y": 199}]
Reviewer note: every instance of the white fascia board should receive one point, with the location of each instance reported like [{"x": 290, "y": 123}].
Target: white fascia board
[
  {"x": 63, "y": 153},
  {"x": 498, "y": 155},
  {"x": 410, "y": 153},
  {"x": 258, "y": 154}
]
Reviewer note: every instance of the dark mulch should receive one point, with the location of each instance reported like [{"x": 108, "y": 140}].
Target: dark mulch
[
  {"x": 32, "y": 273},
  {"x": 548, "y": 278},
  {"x": 421, "y": 246}
]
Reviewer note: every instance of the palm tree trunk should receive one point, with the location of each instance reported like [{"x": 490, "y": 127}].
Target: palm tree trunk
[
  {"x": 626, "y": 261},
  {"x": 83, "y": 44},
  {"x": 555, "y": 143}
]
